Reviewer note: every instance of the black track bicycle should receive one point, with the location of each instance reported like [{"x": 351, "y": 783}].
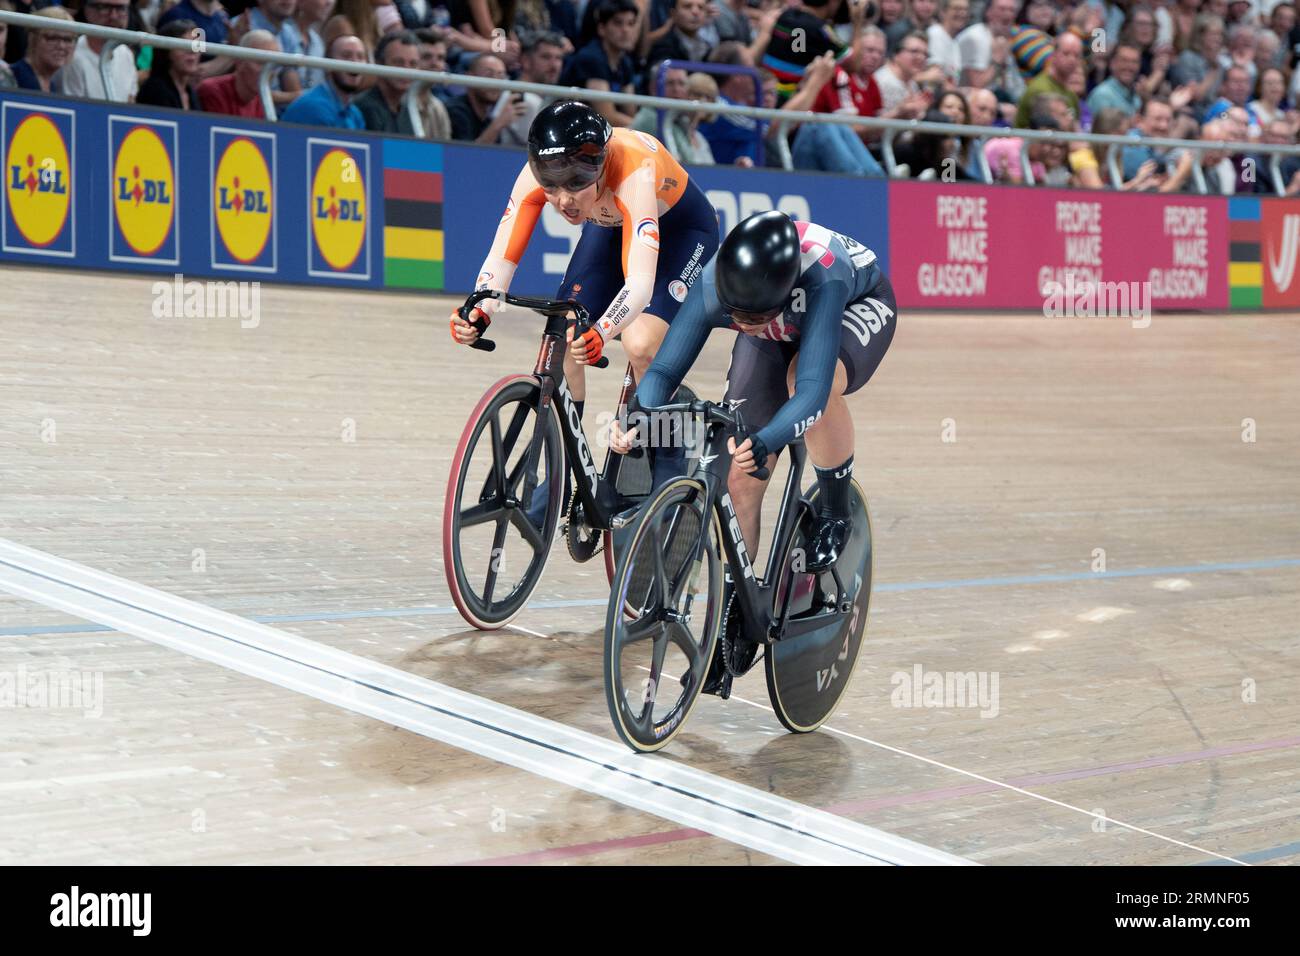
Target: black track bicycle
[
  {"x": 504, "y": 494},
  {"x": 679, "y": 639}
]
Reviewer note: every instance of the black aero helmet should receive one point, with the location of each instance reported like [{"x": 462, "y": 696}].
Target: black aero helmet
[
  {"x": 567, "y": 144},
  {"x": 758, "y": 264}
]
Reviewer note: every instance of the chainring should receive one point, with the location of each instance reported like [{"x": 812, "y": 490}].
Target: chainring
[
  {"x": 738, "y": 652},
  {"x": 582, "y": 540}
]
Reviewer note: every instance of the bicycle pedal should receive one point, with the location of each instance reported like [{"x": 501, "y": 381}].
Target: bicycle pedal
[
  {"x": 720, "y": 688},
  {"x": 724, "y": 690}
]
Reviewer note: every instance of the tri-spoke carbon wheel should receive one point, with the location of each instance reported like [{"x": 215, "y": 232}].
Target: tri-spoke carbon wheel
[
  {"x": 495, "y": 535},
  {"x": 665, "y": 618}
]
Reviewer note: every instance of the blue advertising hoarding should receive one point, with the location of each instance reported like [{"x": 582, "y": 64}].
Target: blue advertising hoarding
[
  {"x": 110, "y": 186},
  {"x": 484, "y": 177}
]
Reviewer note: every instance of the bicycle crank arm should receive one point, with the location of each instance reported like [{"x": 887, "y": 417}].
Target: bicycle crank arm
[{"x": 844, "y": 604}]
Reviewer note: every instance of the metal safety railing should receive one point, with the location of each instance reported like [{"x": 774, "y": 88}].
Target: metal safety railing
[
  {"x": 891, "y": 129},
  {"x": 717, "y": 69}
]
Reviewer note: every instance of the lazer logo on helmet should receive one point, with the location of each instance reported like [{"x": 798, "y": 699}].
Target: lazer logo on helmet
[{"x": 552, "y": 150}]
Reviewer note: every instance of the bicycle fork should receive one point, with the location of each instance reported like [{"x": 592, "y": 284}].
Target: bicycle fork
[{"x": 549, "y": 355}]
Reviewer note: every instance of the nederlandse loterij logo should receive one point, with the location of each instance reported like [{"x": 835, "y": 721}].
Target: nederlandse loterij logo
[
  {"x": 241, "y": 194},
  {"x": 1282, "y": 267},
  {"x": 39, "y": 180},
  {"x": 75, "y": 908},
  {"x": 144, "y": 191},
  {"x": 338, "y": 209}
]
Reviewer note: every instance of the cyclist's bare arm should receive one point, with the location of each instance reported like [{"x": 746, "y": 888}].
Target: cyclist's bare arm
[{"x": 498, "y": 269}]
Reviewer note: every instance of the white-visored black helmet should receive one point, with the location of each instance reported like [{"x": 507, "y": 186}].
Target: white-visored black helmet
[{"x": 567, "y": 144}]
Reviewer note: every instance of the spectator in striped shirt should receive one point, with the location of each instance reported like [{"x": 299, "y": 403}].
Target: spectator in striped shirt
[{"x": 803, "y": 33}]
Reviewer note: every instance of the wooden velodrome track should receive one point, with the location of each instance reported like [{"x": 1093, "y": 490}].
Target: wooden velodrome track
[{"x": 1148, "y": 714}]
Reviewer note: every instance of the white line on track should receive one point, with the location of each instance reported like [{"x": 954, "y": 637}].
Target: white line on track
[
  {"x": 996, "y": 783},
  {"x": 1005, "y": 786},
  {"x": 524, "y": 630},
  {"x": 743, "y": 815}
]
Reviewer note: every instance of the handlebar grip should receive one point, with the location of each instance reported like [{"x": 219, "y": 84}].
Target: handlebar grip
[
  {"x": 762, "y": 472},
  {"x": 482, "y": 344},
  {"x": 580, "y": 326}
]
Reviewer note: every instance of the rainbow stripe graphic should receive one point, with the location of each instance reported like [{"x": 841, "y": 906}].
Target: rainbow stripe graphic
[
  {"x": 1245, "y": 269},
  {"x": 413, "y": 244}
]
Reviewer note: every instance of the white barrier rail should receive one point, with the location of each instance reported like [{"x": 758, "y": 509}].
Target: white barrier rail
[{"x": 422, "y": 79}]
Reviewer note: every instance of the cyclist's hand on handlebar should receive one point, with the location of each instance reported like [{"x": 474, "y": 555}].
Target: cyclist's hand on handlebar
[
  {"x": 462, "y": 331},
  {"x": 587, "y": 347},
  {"x": 743, "y": 457}
]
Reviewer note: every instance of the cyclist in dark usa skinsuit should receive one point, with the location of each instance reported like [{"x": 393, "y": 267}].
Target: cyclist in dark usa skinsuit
[{"x": 816, "y": 316}]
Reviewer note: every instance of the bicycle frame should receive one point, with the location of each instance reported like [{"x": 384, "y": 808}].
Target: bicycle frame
[
  {"x": 595, "y": 488},
  {"x": 756, "y": 596}
]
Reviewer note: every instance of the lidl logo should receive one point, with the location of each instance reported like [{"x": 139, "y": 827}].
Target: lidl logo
[
  {"x": 338, "y": 209},
  {"x": 243, "y": 200},
  {"x": 38, "y": 191},
  {"x": 144, "y": 191}
]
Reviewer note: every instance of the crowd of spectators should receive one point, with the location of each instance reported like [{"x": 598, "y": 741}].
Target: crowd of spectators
[{"x": 1187, "y": 69}]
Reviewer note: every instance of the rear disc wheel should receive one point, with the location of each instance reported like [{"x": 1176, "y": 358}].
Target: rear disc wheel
[{"x": 807, "y": 675}]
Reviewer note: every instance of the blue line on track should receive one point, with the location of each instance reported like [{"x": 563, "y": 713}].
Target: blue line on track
[
  {"x": 1258, "y": 856},
  {"x": 1010, "y": 581}
]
